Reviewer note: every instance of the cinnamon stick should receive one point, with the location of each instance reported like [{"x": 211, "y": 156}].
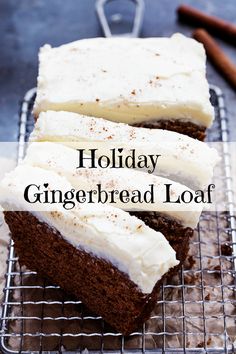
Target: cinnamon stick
[
  {"x": 223, "y": 29},
  {"x": 217, "y": 56}
]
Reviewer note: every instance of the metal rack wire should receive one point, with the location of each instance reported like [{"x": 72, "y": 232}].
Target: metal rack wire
[{"x": 195, "y": 312}]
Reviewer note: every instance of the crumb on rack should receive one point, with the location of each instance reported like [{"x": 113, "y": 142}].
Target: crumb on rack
[
  {"x": 200, "y": 345},
  {"x": 217, "y": 269},
  {"x": 209, "y": 341},
  {"x": 226, "y": 249}
]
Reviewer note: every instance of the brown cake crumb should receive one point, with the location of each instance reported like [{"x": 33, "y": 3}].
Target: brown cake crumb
[
  {"x": 217, "y": 273},
  {"x": 190, "y": 279},
  {"x": 226, "y": 250},
  {"x": 209, "y": 341},
  {"x": 200, "y": 345}
]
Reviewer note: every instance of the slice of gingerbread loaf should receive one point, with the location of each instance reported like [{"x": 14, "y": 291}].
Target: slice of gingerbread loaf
[
  {"x": 151, "y": 82},
  {"x": 102, "y": 255},
  {"x": 176, "y": 221},
  {"x": 63, "y": 160},
  {"x": 184, "y": 159}
]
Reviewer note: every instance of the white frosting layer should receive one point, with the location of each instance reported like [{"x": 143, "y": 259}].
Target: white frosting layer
[
  {"x": 126, "y": 80},
  {"x": 64, "y": 160},
  {"x": 110, "y": 233},
  {"x": 187, "y": 160}
]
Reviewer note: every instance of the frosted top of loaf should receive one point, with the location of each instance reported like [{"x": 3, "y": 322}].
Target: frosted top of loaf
[{"x": 126, "y": 79}]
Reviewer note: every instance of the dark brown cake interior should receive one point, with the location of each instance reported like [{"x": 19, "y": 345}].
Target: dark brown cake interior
[
  {"x": 170, "y": 228},
  {"x": 187, "y": 128}
]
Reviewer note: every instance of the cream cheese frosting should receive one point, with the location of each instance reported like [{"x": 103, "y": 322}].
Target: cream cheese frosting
[
  {"x": 110, "y": 233},
  {"x": 128, "y": 80},
  {"x": 64, "y": 160},
  {"x": 189, "y": 161}
]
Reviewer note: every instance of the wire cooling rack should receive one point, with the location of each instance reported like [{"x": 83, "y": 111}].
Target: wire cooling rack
[{"x": 195, "y": 312}]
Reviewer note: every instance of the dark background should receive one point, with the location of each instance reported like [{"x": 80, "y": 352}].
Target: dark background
[{"x": 25, "y": 25}]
